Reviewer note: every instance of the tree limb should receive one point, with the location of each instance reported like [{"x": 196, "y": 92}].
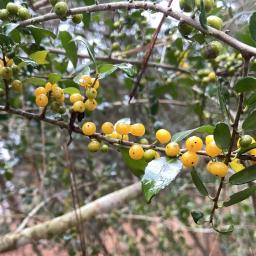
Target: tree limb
[{"x": 60, "y": 224}]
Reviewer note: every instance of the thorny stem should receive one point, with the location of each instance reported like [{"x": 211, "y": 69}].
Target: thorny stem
[{"x": 233, "y": 139}]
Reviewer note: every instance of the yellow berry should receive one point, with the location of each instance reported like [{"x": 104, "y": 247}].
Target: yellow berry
[
  {"x": 115, "y": 135},
  {"x": 172, "y": 149},
  {"x": 89, "y": 128},
  {"x": 78, "y": 106},
  {"x": 123, "y": 128},
  {"x": 125, "y": 137},
  {"x": 91, "y": 93},
  {"x": 76, "y": 97},
  {"x": 61, "y": 99},
  {"x": 217, "y": 168},
  {"x": 48, "y": 87},
  {"x": 212, "y": 149},
  {"x": 95, "y": 84},
  {"x": 208, "y": 139},
  {"x": 212, "y": 76},
  {"x": 157, "y": 155},
  {"x": 136, "y": 152},
  {"x": 39, "y": 90},
  {"x": 41, "y": 100},
  {"x": 17, "y": 85},
  {"x": 163, "y": 136},
  {"x": 94, "y": 146},
  {"x": 57, "y": 92},
  {"x": 189, "y": 159},
  {"x": 90, "y": 105},
  {"x": 194, "y": 144},
  {"x": 85, "y": 81},
  {"x": 107, "y": 128},
  {"x": 137, "y": 129},
  {"x": 149, "y": 155}
]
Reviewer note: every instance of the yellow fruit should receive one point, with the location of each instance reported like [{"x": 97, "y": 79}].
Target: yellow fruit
[
  {"x": 115, "y": 135},
  {"x": 212, "y": 76},
  {"x": 212, "y": 149},
  {"x": 208, "y": 139},
  {"x": 91, "y": 93},
  {"x": 61, "y": 99},
  {"x": 90, "y": 105},
  {"x": 136, "y": 152},
  {"x": 39, "y": 90},
  {"x": 194, "y": 144},
  {"x": 236, "y": 165},
  {"x": 157, "y": 155},
  {"x": 107, "y": 128},
  {"x": 48, "y": 87},
  {"x": 89, "y": 128},
  {"x": 189, "y": 159},
  {"x": 76, "y": 97},
  {"x": 125, "y": 137},
  {"x": 137, "y": 129},
  {"x": 78, "y": 106},
  {"x": 217, "y": 168},
  {"x": 57, "y": 92},
  {"x": 85, "y": 81},
  {"x": 41, "y": 100},
  {"x": 172, "y": 149},
  {"x": 94, "y": 146},
  {"x": 17, "y": 85},
  {"x": 163, "y": 136},
  {"x": 95, "y": 84},
  {"x": 123, "y": 128}
]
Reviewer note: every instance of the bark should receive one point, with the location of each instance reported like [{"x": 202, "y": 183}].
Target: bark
[{"x": 60, "y": 224}]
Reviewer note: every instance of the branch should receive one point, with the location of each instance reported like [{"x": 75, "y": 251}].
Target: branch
[
  {"x": 101, "y": 137},
  {"x": 60, "y": 224},
  {"x": 245, "y": 49},
  {"x": 121, "y": 60}
]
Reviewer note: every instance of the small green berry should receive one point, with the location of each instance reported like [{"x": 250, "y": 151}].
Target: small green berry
[
  {"x": 4, "y": 14},
  {"x": 61, "y": 9},
  {"x": 77, "y": 18},
  {"x": 91, "y": 93},
  {"x": 104, "y": 148},
  {"x": 12, "y": 8},
  {"x": 94, "y": 146},
  {"x": 23, "y": 13}
]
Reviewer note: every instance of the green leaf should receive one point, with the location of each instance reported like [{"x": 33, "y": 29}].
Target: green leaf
[
  {"x": 179, "y": 136},
  {"x": 71, "y": 90},
  {"x": 246, "y": 175},
  {"x": 106, "y": 70},
  {"x": 197, "y": 216},
  {"x": 22, "y": 62},
  {"x": 127, "y": 68},
  {"x": 39, "y": 57},
  {"x": 39, "y": 33},
  {"x": 159, "y": 173},
  {"x": 9, "y": 27},
  {"x": 222, "y": 136},
  {"x": 84, "y": 71},
  {"x": 54, "y": 78},
  {"x": 202, "y": 15},
  {"x": 198, "y": 183},
  {"x": 252, "y": 25},
  {"x": 244, "y": 150},
  {"x": 240, "y": 196},
  {"x": 246, "y": 84},
  {"x": 69, "y": 45},
  {"x": 223, "y": 103},
  {"x": 6, "y": 41},
  {"x": 87, "y": 20},
  {"x": 249, "y": 123},
  {"x": 224, "y": 230},
  {"x": 34, "y": 81}
]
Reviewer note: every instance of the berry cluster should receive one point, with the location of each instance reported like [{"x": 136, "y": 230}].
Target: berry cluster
[
  {"x": 56, "y": 95},
  {"x": 14, "y": 12},
  {"x": 143, "y": 150}
]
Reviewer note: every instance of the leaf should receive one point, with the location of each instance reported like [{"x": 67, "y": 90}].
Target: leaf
[
  {"x": 225, "y": 230},
  {"x": 71, "y": 90},
  {"x": 127, "y": 68},
  {"x": 197, "y": 216},
  {"x": 198, "y": 183},
  {"x": 54, "y": 78},
  {"x": 9, "y": 27},
  {"x": 39, "y": 57},
  {"x": 244, "y": 150},
  {"x": 159, "y": 173},
  {"x": 34, "y": 81},
  {"x": 106, "y": 70},
  {"x": 21, "y": 62},
  {"x": 245, "y": 176},
  {"x": 136, "y": 166},
  {"x": 249, "y": 123},
  {"x": 222, "y": 136},
  {"x": 246, "y": 84},
  {"x": 6, "y": 41},
  {"x": 202, "y": 15},
  {"x": 240, "y": 196},
  {"x": 69, "y": 45},
  {"x": 179, "y": 136},
  {"x": 252, "y": 25},
  {"x": 39, "y": 33},
  {"x": 223, "y": 103},
  {"x": 84, "y": 71}
]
